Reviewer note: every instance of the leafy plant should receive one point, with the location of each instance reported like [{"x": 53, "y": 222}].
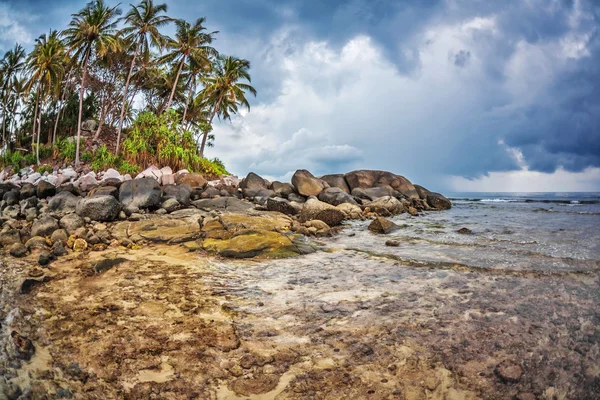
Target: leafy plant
[
  {"x": 65, "y": 149},
  {"x": 103, "y": 159},
  {"x": 45, "y": 168},
  {"x": 86, "y": 156},
  {"x": 29, "y": 158},
  {"x": 14, "y": 159},
  {"x": 160, "y": 140},
  {"x": 125, "y": 168}
]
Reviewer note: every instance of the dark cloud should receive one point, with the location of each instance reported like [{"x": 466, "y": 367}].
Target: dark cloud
[{"x": 550, "y": 110}]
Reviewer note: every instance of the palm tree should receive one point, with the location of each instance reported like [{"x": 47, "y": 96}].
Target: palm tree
[
  {"x": 12, "y": 64},
  {"x": 224, "y": 92},
  {"x": 46, "y": 64},
  {"x": 92, "y": 32},
  {"x": 190, "y": 42},
  {"x": 195, "y": 68},
  {"x": 143, "y": 22}
]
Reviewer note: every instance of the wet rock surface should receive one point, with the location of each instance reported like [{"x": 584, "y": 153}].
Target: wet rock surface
[{"x": 156, "y": 319}]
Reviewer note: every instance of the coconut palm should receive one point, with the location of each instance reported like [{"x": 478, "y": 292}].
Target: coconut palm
[
  {"x": 46, "y": 65},
  {"x": 142, "y": 31},
  {"x": 195, "y": 68},
  {"x": 190, "y": 42},
  {"x": 11, "y": 65},
  {"x": 224, "y": 91},
  {"x": 92, "y": 32}
]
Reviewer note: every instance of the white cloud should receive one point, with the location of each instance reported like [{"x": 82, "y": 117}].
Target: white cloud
[{"x": 13, "y": 28}]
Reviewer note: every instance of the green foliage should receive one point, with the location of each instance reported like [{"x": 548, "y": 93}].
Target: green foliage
[
  {"x": 45, "y": 151},
  {"x": 125, "y": 168},
  {"x": 12, "y": 158},
  {"x": 45, "y": 168},
  {"x": 159, "y": 140},
  {"x": 103, "y": 159},
  {"x": 66, "y": 149},
  {"x": 29, "y": 159},
  {"x": 86, "y": 156}
]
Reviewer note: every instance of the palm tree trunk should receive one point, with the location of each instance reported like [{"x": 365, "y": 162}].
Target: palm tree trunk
[
  {"x": 81, "y": 90},
  {"x": 206, "y": 133},
  {"x": 59, "y": 109},
  {"x": 185, "y": 107},
  {"x": 37, "y": 147},
  {"x": 175, "y": 84},
  {"x": 122, "y": 117},
  {"x": 37, "y": 99}
]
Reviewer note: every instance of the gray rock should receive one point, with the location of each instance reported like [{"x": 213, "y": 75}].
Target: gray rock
[
  {"x": 9, "y": 236},
  {"x": 366, "y": 179},
  {"x": 254, "y": 186},
  {"x": 181, "y": 193},
  {"x": 45, "y": 189},
  {"x": 99, "y": 208},
  {"x": 281, "y": 205},
  {"x": 438, "y": 201},
  {"x": 336, "y": 181},
  {"x": 170, "y": 205},
  {"x": 18, "y": 250},
  {"x": 44, "y": 226},
  {"x": 296, "y": 198},
  {"x": 71, "y": 222},
  {"x": 375, "y": 192},
  {"x": 59, "y": 235},
  {"x": 63, "y": 203},
  {"x": 210, "y": 192},
  {"x": 58, "y": 249},
  {"x": 336, "y": 196},
  {"x": 141, "y": 193},
  {"x": 31, "y": 214},
  {"x": 226, "y": 204},
  {"x": 45, "y": 258},
  {"x": 31, "y": 202},
  {"x": 27, "y": 191},
  {"x": 11, "y": 198},
  {"x": 104, "y": 191},
  {"x": 282, "y": 189}
]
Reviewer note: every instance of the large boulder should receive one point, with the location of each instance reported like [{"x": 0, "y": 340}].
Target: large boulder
[
  {"x": 282, "y": 189},
  {"x": 438, "y": 201},
  {"x": 422, "y": 192},
  {"x": 385, "y": 206},
  {"x": 99, "y": 208},
  {"x": 11, "y": 198},
  {"x": 27, "y": 191},
  {"x": 104, "y": 191},
  {"x": 306, "y": 184},
  {"x": 283, "y": 206},
  {"x": 71, "y": 222},
  {"x": 366, "y": 179},
  {"x": 336, "y": 180},
  {"x": 63, "y": 203},
  {"x": 223, "y": 204},
  {"x": 336, "y": 196},
  {"x": 255, "y": 186},
  {"x": 178, "y": 227},
  {"x": 140, "y": 193},
  {"x": 351, "y": 211},
  {"x": 316, "y": 209},
  {"x": 86, "y": 182},
  {"x": 45, "y": 189},
  {"x": 192, "y": 179},
  {"x": 374, "y": 192},
  {"x": 181, "y": 193},
  {"x": 44, "y": 226}
]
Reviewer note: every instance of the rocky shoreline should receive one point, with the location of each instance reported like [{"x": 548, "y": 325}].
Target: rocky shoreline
[{"x": 52, "y": 214}]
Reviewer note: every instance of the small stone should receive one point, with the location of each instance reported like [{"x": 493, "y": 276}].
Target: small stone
[
  {"x": 59, "y": 235},
  {"x": 24, "y": 346},
  {"x": 45, "y": 258},
  {"x": 18, "y": 250},
  {"x": 465, "y": 231},
  {"x": 382, "y": 225},
  {"x": 526, "y": 396},
  {"x": 36, "y": 272},
  {"x": 392, "y": 243},
  {"x": 80, "y": 245},
  {"x": 58, "y": 249},
  {"x": 509, "y": 371}
]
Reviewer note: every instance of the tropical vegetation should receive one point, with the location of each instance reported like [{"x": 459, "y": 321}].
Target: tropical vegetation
[{"x": 114, "y": 91}]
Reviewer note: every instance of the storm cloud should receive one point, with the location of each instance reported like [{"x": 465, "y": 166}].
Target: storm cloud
[{"x": 429, "y": 89}]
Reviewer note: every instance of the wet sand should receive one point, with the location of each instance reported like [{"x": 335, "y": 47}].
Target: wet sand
[{"x": 163, "y": 323}]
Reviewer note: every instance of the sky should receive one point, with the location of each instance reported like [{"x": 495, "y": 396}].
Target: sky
[{"x": 456, "y": 95}]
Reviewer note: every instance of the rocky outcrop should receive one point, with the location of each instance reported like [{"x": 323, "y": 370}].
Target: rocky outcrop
[
  {"x": 255, "y": 186},
  {"x": 63, "y": 203},
  {"x": 283, "y": 206},
  {"x": 181, "y": 192},
  {"x": 223, "y": 204},
  {"x": 306, "y": 184},
  {"x": 140, "y": 193},
  {"x": 382, "y": 225},
  {"x": 99, "y": 208},
  {"x": 438, "y": 201},
  {"x": 192, "y": 179}
]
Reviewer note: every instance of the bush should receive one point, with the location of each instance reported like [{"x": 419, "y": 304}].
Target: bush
[
  {"x": 30, "y": 159},
  {"x": 45, "y": 168},
  {"x": 65, "y": 149},
  {"x": 159, "y": 140},
  {"x": 103, "y": 159},
  {"x": 125, "y": 168},
  {"x": 12, "y": 158},
  {"x": 86, "y": 156}
]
